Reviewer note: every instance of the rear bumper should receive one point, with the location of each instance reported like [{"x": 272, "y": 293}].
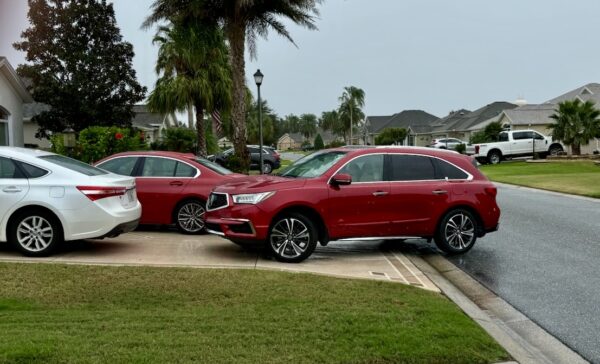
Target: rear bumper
[{"x": 121, "y": 229}]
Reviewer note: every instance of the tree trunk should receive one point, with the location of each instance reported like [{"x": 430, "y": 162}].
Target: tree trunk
[
  {"x": 576, "y": 148},
  {"x": 200, "y": 130},
  {"x": 236, "y": 35},
  {"x": 190, "y": 111}
]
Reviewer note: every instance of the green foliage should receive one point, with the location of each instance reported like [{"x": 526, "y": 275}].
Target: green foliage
[
  {"x": 350, "y": 111},
  {"x": 576, "y": 123},
  {"x": 177, "y": 140},
  {"x": 79, "y": 65},
  {"x": 461, "y": 148},
  {"x": 391, "y": 136},
  {"x": 319, "y": 142},
  {"x": 308, "y": 125},
  {"x": 97, "y": 142},
  {"x": 335, "y": 144},
  {"x": 488, "y": 134},
  {"x": 268, "y": 120}
]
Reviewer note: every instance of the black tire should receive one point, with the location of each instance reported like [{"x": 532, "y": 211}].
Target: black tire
[
  {"x": 302, "y": 232},
  {"x": 494, "y": 157},
  {"x": 455, "y": 227},
  {"x": 189, "y": 217},
  {"x": 555, "y": 149},
  {"x": 267, "y": 167},
  {"x": 35, "y": 233}
]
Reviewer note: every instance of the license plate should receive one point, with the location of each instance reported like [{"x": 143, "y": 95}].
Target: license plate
[{"x": 130, "y": 196}]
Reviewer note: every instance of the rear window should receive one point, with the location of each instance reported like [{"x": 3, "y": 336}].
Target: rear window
[
  {"x": 213, "y": 166},
  {"x": 411, "y": 168},
  {"x": 447, "y": 170},
  {"x": 32, "y": 171},
  {"x": 73, "y": 164}
]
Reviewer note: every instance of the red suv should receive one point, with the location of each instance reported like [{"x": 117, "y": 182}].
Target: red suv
[
  {"x": 172, "y": 187},
  {"x": 358, "y": 194}
]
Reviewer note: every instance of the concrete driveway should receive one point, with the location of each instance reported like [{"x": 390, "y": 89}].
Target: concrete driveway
[{"x": 367, "y": 260}]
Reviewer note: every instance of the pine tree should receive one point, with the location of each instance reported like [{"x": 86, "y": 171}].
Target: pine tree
[{"x": 78, "y": 64}]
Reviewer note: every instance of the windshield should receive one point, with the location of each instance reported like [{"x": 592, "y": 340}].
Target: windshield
[
  {"x": 213, "y": 166},
  {"x": 73, "y": 165},
  {"x": 313, "y": 165}
]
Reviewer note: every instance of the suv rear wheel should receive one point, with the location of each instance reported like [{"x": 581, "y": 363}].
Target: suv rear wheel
[
  {"x": 267, "y": 167},
  {"x": 456, "y": 233},
  {"x": 494, "y": 157},
  {"x": 292, "y": 238}
]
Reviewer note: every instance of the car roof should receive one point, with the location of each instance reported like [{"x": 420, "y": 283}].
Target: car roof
[
  {"x": 23, "y": 152},
  {"x": 367, "y": 149},
  {"x": 155, "y": 153}
]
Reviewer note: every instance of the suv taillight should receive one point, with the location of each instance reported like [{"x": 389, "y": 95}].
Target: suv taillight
[
  {"x": 477, "y": 149},
  {"x": 96, "y": 193}
]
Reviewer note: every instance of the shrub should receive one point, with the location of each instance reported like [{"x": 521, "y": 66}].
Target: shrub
[
  {"x": 319, "y": 142},
  {"x": 461, "y": 148},
  {"x": 177, "y": 140},
  {"x": 335, "y": 144},
  {"x": 391, "y": 136},
  {"x": 97, "y": 142}
]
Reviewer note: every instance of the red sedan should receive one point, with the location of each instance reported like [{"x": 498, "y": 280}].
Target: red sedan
[
  {"x": 358, "y": 194},
  {"x": 172, "y": 187}
]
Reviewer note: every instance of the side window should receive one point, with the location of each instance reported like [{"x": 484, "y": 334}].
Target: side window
[
  {"x": 447, "y": 170},
  {"x": 538, "y": 136},
  {"x": 8, "y": 169},
  {"x": 252, "y": 150},
  {"x": 520, "y": 135},
  {"x": 32, "y": 171},
  {"x": 123, "y": 166},
  {"x": 503, "y": 137},
  {"x": 411, "y": 168},
  {"x": 368, "y": 168},
  {"x": 159, "y": 167},
  {"x": 184, "y": 170}
]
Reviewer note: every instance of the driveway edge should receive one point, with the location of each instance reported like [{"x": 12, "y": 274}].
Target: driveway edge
[{"x": 522, "y": 338}]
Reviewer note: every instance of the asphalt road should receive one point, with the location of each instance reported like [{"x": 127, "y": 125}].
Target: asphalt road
[{"x": 545, "y": 261}]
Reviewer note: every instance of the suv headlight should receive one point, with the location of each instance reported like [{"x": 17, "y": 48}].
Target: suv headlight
[{"x": 251, "y": 198}]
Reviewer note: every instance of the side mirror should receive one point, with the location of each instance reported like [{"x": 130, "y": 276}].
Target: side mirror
[{"x": 341, "y": 179}]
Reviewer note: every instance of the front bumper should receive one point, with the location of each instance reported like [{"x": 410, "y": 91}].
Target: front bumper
[{"x": 239, "y": 222}]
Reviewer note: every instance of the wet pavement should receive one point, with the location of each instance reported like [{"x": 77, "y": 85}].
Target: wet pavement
[
  {"x": 365, "y": 260},
  {"x": 545, "y": 261}
]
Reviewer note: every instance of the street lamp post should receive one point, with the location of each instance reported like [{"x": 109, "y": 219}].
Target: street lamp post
[
  {"x": 69, "y": 140},
  {"x": 258, "y": 78}
]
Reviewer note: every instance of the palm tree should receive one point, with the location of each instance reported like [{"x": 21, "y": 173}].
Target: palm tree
[
  {"x": 243, "y": 21},
  {"x": 194, "y": 69},
  {"x": 308, "y": 125},
  {"x": 350, "y": 112},
  {"x": 576, "y": 123}
]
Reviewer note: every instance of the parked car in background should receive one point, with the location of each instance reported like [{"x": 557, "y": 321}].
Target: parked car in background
[
  {"x": 358, "y": 193},
  {"x": 446, "y": 143},
  {"x": 172, "y": 187},
  {"x": 516, "y": 143},
  {"x": 46, "y": 199},
  {"x": 271, "y": 158}
]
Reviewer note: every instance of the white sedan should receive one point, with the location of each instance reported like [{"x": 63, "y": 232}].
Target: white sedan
[{"x": 47, "y": 198}]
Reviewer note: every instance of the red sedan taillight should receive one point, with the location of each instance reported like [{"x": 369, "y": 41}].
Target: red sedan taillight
[
  {"x": 492, "y": 191},
  {"x": 96, "y": 193}
]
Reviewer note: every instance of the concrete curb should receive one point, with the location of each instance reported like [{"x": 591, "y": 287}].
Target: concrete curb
[
  {"x": 539, "y": 190},
  {"x": 523, "y": 339}
]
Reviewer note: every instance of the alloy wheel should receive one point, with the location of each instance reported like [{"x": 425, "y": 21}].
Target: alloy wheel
[
  {"x": 290, "y": 238},
  {"x": 460, "y": 231},
  {"x": 35, "y": 233},
  {"x": 191, "y": 217}
]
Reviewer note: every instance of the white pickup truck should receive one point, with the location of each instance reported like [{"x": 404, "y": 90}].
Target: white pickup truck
[{"x": 510, "y": 144}]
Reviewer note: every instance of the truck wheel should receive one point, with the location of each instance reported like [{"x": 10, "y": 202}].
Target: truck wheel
[
  {"x": 555, "y": 149},
  {"x": 494, "y": 157}
]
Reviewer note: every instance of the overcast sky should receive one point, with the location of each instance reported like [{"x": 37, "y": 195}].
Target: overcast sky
[{"x": 434, "y": 55}]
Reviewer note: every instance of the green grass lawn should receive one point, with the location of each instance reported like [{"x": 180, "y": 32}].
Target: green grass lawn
[
  {"x": 580, "y": 178},
  {"x": 54, "y": 313}
]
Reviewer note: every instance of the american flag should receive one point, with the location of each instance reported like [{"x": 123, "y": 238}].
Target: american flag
[{"x": 216, "y": 123}]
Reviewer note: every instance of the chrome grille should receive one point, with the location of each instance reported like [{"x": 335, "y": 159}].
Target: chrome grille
[{"x": 217, "y": 201}]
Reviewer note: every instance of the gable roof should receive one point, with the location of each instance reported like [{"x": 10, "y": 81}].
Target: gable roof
[
  {"x": 403, "y": 119},
  {"x": 462, "y": 121},
  {"x": 146, "y": 119},
  {"x": 591, "y": 92},
  {"x": 14, "y": 80},
  {"x": 530, "y": 114}
]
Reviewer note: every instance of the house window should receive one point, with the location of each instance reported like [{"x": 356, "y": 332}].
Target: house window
[{"x": 3, "y": 127}]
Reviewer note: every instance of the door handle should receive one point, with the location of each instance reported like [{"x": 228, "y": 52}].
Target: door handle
[
  {"x": 176, "y": 183},
  {"x": 439, "y": 192},
  {"x": 12, "y": 189},
  {"x": 379, "y": 193}
]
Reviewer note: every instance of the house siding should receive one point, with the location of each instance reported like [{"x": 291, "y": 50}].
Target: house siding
[{"x": 12, "y": 103}]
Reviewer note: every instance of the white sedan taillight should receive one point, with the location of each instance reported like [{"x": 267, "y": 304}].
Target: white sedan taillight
[{"x": 96, "y": 192}]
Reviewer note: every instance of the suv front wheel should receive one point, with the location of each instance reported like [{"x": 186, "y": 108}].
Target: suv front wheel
[
  {"x": 292, "y": 238},
  {"x": 456, "y": 233}
]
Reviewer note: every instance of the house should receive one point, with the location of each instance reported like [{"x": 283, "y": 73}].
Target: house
[
  {"x": 537, "y": 116},
  {"x": 30, "y": 128},
  {"x": 295, "y": 140},
  {"x": 13, "y": 94},
  {"x": 150, "y": 123},
  {"x": 418, "y": 123},
  {"x": 463, "y": 123}
]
